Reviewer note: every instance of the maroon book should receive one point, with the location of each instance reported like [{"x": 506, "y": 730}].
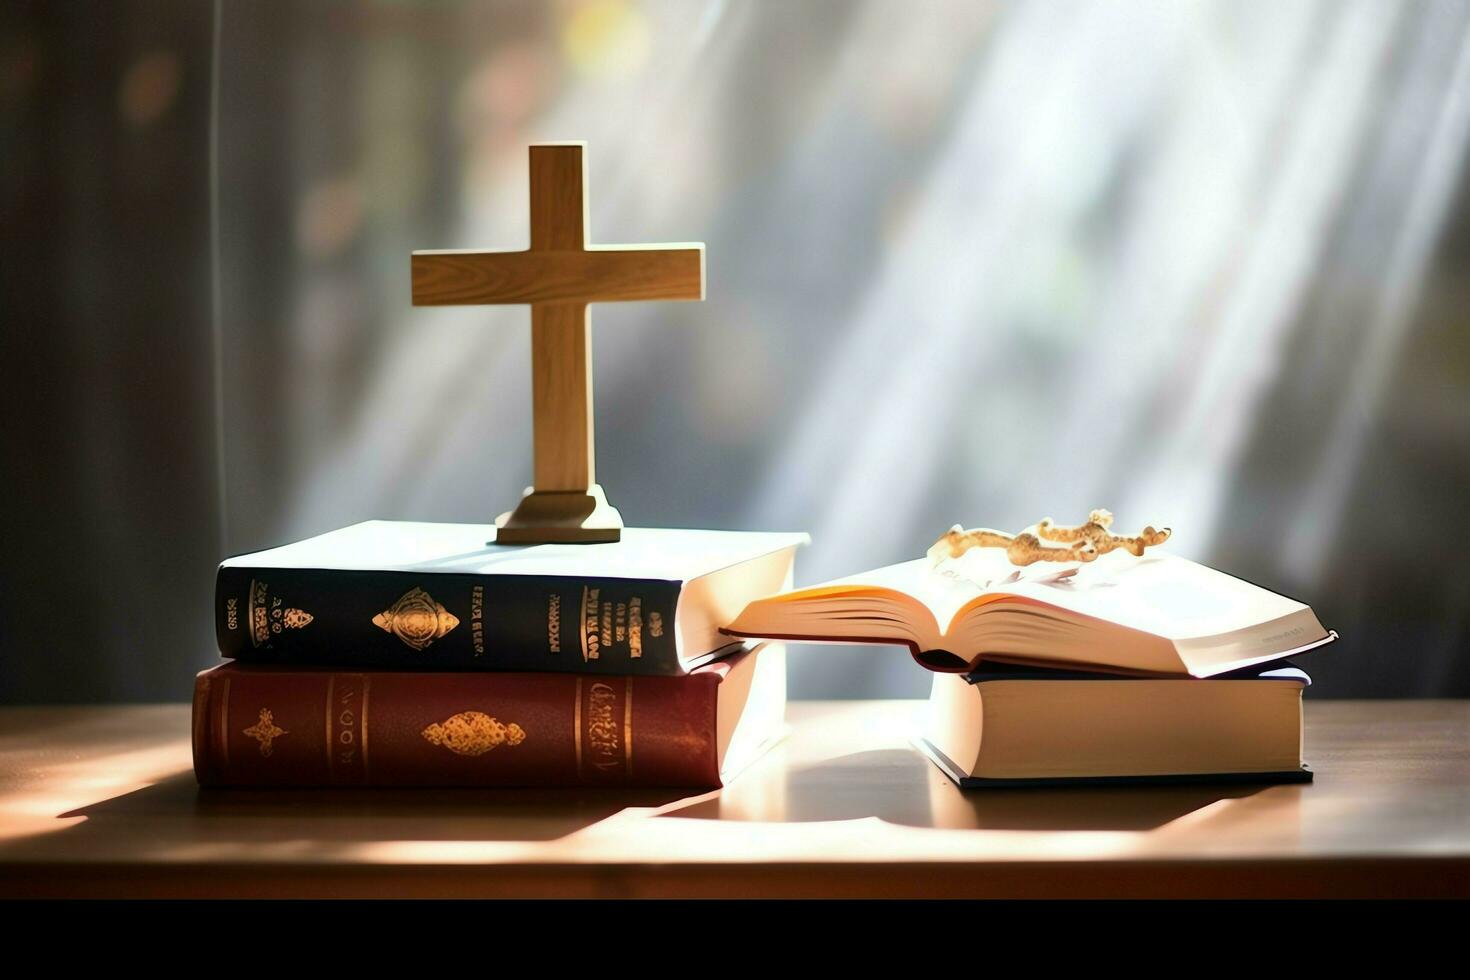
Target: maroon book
[{"x": 260, "y": 725}]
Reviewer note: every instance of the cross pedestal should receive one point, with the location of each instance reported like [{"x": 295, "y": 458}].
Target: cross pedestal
[{"x": 558, "y": 276}]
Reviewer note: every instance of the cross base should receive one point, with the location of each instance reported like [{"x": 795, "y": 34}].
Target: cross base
[{"x": 546, "y": 517}]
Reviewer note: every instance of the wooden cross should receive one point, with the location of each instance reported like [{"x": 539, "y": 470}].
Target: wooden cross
[{"x": 559, "y": 275}]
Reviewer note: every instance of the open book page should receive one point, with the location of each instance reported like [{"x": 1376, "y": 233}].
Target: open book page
[
  {"x": 945, "y": 595},
  {"x": 980, "y": 603},
  {"x": 1160, "y": 593}
]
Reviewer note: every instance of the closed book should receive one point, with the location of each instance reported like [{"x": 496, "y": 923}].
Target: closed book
[
  {"x": 260, "y": 725},
  {"x": 1019, "y": 726},
  {"x": 437, "y": 597}
]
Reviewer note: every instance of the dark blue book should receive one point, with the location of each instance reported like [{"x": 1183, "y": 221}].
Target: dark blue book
[
  {"x": 392, "y": 594},
  {"x": 1007, "y": 726}
]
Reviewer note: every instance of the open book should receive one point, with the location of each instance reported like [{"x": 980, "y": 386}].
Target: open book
[{"x": 1160, "y": 615}]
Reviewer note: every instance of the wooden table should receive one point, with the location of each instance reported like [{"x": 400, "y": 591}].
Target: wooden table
[{"x": 102, "y": 802}]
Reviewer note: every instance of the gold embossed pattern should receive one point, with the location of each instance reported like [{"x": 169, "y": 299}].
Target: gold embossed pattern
[
  {"x": 265, "y": 731},
  {"x": 294, "y": 618},
  {"x": 473, "y": 733},
  {"x": 268, "y": 615},
  {"x": 416, "y": 619}
]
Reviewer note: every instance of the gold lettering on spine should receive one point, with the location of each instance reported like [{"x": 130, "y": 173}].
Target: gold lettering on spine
[
  {"x": 635, "y": 627},
  {"x": 577, "y": 721},
  {"x": 331, "y": 756},
  {"x": 582, "y": 629},
  {"x": 602, "y": 727},
  {"x": 267, "y": 617},
  {"x": 258, "y": 614},
  {"x": 366, "y": 683},
  {"x": 605, "y": 746},
  {"x": 344, "y": 735},
  {"x": 477, "y": 619},
  {"x": 593, "y": 639},
  {"x": 553, "y": 622},
  {"x": 628, "y": 728}
]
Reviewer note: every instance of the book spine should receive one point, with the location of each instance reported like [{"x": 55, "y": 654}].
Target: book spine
[
  {"x": 442, "y": 621},
  {"x": 265, "y": 727}
]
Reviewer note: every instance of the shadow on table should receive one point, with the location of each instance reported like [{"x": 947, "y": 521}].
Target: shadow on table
[
  {"x": 351, "y": 815},
  {"x": 902, "y": 787},
  {"x": 895, "y": 785}
]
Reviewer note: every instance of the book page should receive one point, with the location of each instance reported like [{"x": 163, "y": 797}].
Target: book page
[
  {"x": 944, "y": 594},
  {"x": 652, "y": 553},
  {"x": 1161, "y": 593}
]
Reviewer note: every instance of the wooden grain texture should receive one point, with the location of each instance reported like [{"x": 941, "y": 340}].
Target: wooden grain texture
[
  {"x": 558, "y": 276},
  {"x": 101, "y": 801},
  {"x": 608, "y": 274},
  {"x": 561, "y": 394},
  {"x": 558, "y": 197}
]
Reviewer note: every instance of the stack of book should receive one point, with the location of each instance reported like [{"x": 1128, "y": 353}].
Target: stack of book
[
  {"x": 1122, "y": 670},
  {"x": 398, "y": 654}
]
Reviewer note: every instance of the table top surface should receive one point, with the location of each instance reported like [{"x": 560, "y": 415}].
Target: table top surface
[{"x": 102, "y": 801}]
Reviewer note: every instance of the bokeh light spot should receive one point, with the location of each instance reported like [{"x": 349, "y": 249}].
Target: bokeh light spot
[
  {"x": 606, "y": 39},
  {"x": 20, "y": 62},
  {"x": 149, "y": 88},
  {"x": 329, "y": 217},
  {"x": 505, "y": 89}
]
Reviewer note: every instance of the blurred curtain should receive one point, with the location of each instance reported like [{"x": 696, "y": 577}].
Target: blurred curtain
[{"x": 1196, "y": 262}]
